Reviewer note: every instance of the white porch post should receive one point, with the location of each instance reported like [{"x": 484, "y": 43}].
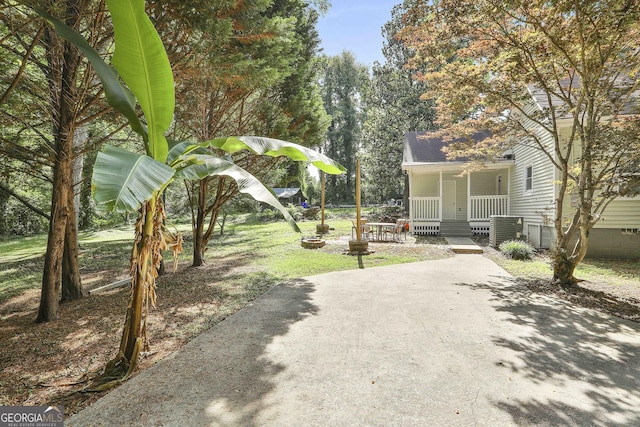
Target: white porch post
[
  {"x": 411, "y": 214},
  {"x": 440, "y": 203},
  {"x": 469, "y": 197},
  {"x": 509, "y": 191}
]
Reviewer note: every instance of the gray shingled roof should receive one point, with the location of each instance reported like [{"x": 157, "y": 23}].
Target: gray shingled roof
[
  {"x": 424, "y": 147},
  {"x": 540, "y": 96}
]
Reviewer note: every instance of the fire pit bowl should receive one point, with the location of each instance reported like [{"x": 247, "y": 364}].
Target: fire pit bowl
[{"x": 312, "y": 243}]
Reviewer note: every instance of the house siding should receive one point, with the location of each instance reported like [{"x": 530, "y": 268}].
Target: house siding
[
  {"x": 537, "y": 206},
  {"x": 621, "y": 213},
  {"x": 613, "y": 243},
  {"x": 616, "y": 235},
  {"x": 484, "y": 183},
  {"x": 425, "y": 184}
]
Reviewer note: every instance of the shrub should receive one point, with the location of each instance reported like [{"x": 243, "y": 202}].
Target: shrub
[
  {"x": 295, "y": 211},
  {"x": 386, "y": 213},
  {"x": 517, "y": 249},
  {"x": 268, "y": 215},
  {"x": 16, "y": 219}
]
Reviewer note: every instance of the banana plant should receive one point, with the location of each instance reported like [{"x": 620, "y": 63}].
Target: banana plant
[{"x": 126, "y": 181}]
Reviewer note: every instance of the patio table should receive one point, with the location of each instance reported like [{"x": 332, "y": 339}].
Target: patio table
[{"x": 381, "y": 226}]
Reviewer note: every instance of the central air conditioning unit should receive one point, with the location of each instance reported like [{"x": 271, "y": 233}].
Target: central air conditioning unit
[{"x": 504, "y": 227}]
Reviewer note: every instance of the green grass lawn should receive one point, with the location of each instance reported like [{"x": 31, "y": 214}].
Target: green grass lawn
[
  {"x": 610, "y": 271},
  {"x": 265, "y": 250},
  {"x": 22, "y": 259},
  {"x": 272, "y": 248}
]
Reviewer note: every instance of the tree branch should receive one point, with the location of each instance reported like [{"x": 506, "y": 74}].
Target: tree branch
[{"x": 24, "y": 201}]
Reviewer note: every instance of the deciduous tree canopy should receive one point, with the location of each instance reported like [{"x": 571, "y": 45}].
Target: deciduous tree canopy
[{"x": 484, "y": 60}]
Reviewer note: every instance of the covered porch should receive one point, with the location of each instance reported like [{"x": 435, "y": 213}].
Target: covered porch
[{"x": 444, "y": 196}]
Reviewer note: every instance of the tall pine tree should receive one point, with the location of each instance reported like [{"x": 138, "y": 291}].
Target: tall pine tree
[
  {"x": 393, "y": 107},
  {"x": 342, "y": 80}
]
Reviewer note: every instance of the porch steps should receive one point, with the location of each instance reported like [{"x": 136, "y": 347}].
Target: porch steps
[
  {"x": 463, "y": 245},
  {"x": 455, "y": 229}
]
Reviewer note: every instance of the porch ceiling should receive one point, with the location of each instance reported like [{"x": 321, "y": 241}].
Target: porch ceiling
[{"x": 457, "y": 166}]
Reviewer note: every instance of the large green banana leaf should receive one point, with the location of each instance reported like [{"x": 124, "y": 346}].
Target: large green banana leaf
[
  {"x": 259, "y": 145},
  {"x": 203, "y": 165},
  {"x": 179, "y": 151},
  {"x": 142, "y": 62},
  {"x": 123, "y": 180},
  {"x": 118, "y": 96},
  {"x": 275, "y": 147}
]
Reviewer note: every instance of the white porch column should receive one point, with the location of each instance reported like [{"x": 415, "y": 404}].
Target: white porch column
[
  {"x": 509, "y": 191},
  {"x": 469, "y": 197},
  {"x": 440, "y": 203},
  {"x": 411, "y": 214}
]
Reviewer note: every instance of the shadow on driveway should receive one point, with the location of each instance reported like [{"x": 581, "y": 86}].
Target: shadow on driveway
[
  {"x": 229, "y": 380},
  {"x": 454, "y": 341},
  {"x": 566, "y": 348}
]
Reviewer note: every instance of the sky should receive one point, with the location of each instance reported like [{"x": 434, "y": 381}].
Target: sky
[{"x": 355, "y": 25}]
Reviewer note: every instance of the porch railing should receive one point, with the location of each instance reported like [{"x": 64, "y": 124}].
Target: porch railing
[
  {"x": 425, "y": 208},
  {"x": 482, "y": 207}
]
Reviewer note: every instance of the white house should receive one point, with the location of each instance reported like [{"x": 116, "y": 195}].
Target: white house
[{"x": 442, "y": 201}]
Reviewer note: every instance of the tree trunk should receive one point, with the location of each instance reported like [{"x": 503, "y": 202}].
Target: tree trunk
[
  {"x": 4, "y": 201},
  {"x": 222, "y": 223},
  {"x": 62, "y": 65},
  {"x": 52, "y": 275},
  {"x": 199, "y": 242},
  {"x": 61, "y": 258},
  {"x": 80, "y": 138},
  {"x": 71, "y": 281},
  {"x": 60, "y": 216},
  {"x": 563, "y": 269},
  {"x": 142, "y": 262},
  {"x": 146, "y": 256},
  {"x": 566, "y": 260},
  {"x": 198, "y": 246},
  {"x": 202, "y": 232}
]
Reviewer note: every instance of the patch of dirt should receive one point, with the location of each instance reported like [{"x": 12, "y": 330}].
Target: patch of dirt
[
  {"x": 589, "y": 295},
  {"x": 50, "y": 363},
  {"x": 421, "y": 248}
]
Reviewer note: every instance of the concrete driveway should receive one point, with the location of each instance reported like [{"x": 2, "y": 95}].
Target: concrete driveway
[{"x": 452, "y": 342}]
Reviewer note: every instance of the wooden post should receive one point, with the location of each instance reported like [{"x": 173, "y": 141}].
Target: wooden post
[
  {"x": 358, "y": 246},
  {"x": 322, "y": 228},
  {"x": 322, "y": 200},
  {"x": 358, "y": 211}
]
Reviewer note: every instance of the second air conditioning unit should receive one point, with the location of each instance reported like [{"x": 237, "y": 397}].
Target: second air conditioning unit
[{"x": 504, "y": 227}]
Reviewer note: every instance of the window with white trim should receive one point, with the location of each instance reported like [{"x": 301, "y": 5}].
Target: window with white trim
[{"x": 528, "y": 179}]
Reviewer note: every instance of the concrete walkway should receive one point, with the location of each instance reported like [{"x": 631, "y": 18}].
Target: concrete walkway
[{"x": 453, "y": 342}]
